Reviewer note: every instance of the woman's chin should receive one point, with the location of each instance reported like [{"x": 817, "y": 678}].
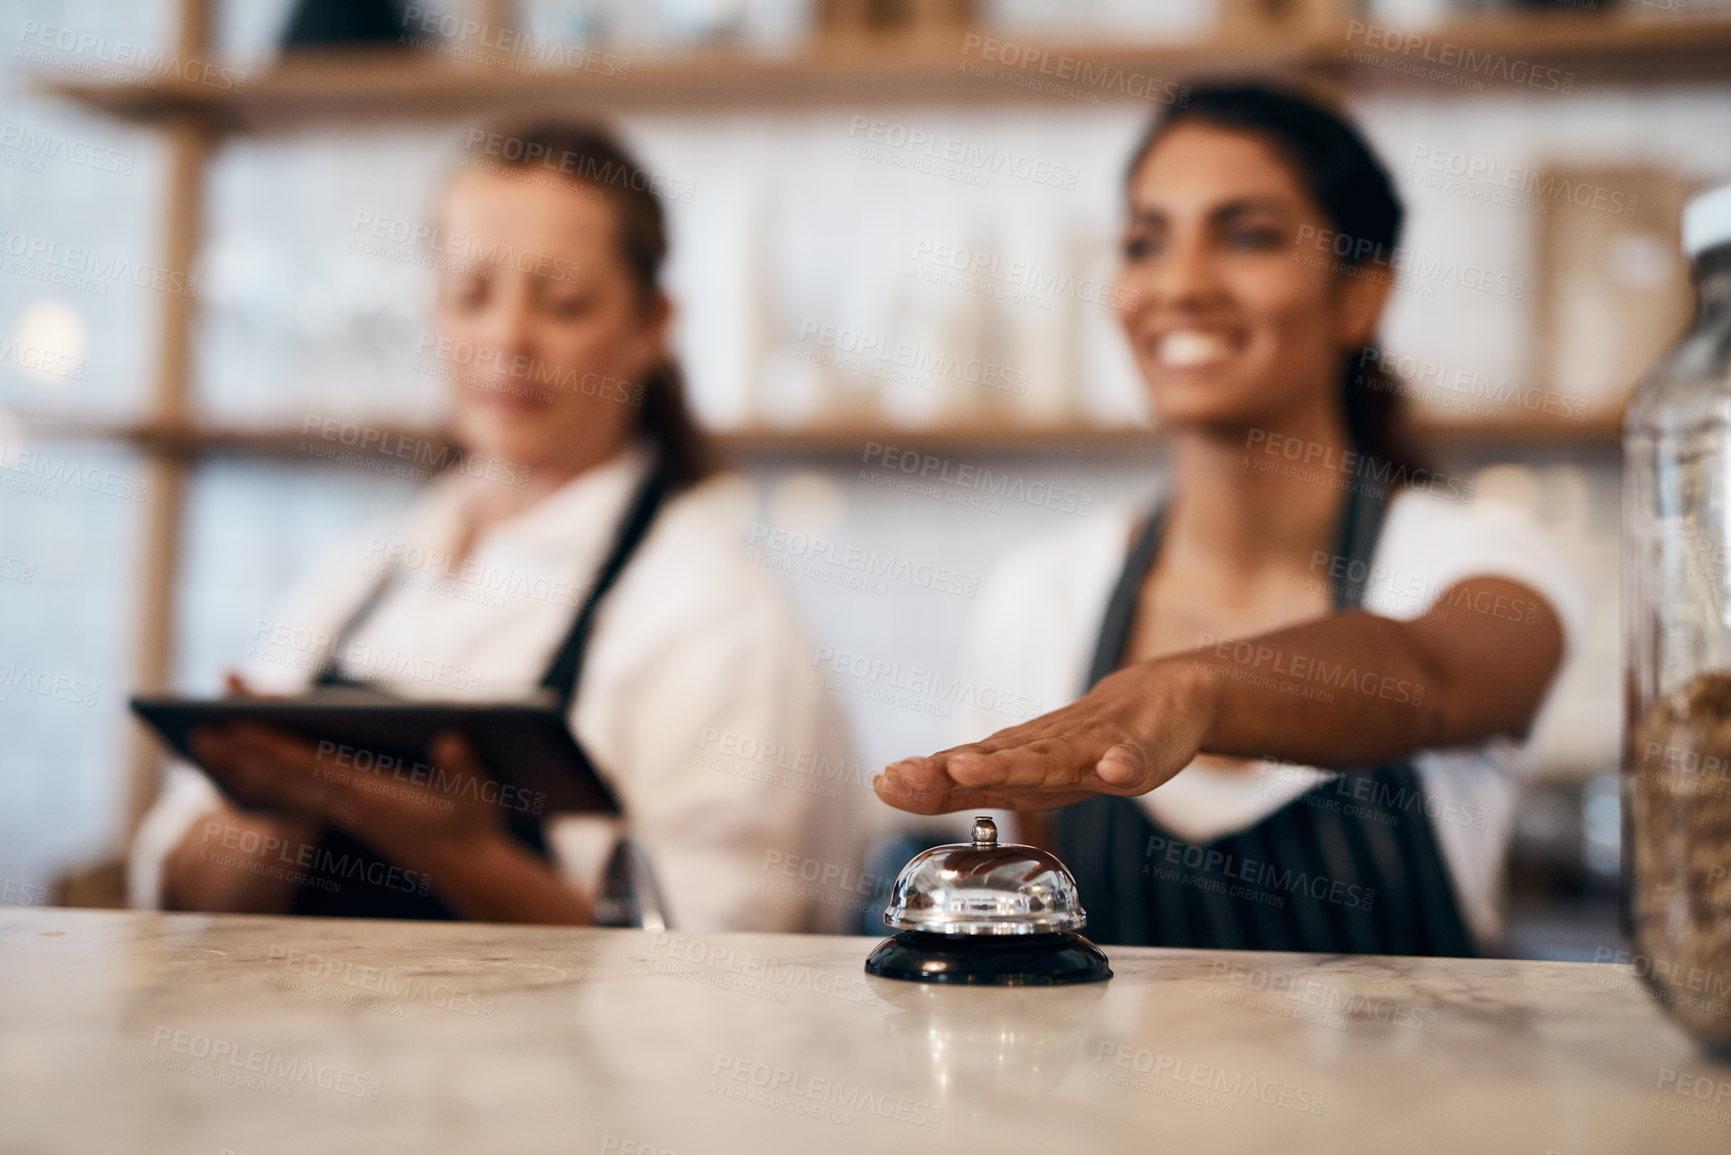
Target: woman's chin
[
  {"x": 510, "y": 404},
  {"x": 500, "y": 436},
  {"x": 1203, "y": 409},
  {"x": 1212, "y": 405}
]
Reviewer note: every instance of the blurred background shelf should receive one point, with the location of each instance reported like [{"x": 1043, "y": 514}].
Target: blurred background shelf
[
  {"x": 183, "y": 440},
  {"x": 905, "y": 70},
  {"x": 1597, "y": 47},
  {"x": 929, "y": 66}
]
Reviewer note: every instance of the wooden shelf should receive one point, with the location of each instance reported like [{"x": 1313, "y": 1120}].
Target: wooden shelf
[
  {"x": 1068, "y": 438},
  {"x": 1078, "y": 439},
  {"x": 1595, "y": 47},
  {"x": 1622, "y": 45},
  {"x": 422, "y": 84},
  {"x": 1594, "y": 431},
  {"x": 189, "y": 441}
]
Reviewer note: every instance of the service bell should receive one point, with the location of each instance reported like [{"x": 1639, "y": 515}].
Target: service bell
[{"x": 983, "y": 914}]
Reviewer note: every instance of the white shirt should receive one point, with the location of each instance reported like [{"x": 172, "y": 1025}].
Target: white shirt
[
  {"x": 696, "y": 655},
  {"x": 1040, "y": 616}
]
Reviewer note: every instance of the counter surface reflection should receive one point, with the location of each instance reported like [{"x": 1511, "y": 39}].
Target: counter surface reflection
[{"x": 130, "y": 1032}]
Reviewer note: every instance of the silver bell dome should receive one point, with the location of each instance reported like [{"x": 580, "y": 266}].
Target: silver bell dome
[{"x": 983, "y": 888}]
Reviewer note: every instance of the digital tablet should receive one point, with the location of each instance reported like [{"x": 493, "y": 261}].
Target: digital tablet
[{"x": 526, "y": 746}]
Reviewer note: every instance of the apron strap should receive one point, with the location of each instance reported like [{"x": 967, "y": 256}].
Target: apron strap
[
  {"x": 1360, "y": 527},
  {"x": 567, "y": 665},
  {"x": 1114, "y": 637},
  {"x": 331, "y": 672}
]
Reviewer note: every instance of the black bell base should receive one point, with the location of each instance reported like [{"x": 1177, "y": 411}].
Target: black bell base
[{"x": 977, "y": 960}]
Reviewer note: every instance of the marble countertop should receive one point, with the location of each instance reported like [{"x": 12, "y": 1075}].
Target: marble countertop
[{"x": 134, "y": 1032}]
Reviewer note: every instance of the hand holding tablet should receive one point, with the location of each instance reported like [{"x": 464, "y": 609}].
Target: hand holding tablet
[{"x": 296, "y": 754}]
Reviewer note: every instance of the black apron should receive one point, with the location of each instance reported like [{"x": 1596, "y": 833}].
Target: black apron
[
  {"x": 1352, "y": 866},
  {"x": 337, "y": 884}
]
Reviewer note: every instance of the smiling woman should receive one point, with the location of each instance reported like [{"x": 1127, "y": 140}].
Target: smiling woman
[
  {"x": 1307, "y": 669},
  {"x": 1349, "y": 196}
]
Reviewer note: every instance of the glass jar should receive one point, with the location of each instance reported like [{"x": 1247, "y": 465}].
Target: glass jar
[{"x": 1677, "y": 655}]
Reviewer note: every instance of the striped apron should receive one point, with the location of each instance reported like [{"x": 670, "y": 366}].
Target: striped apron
[{"x": 1352, "y": 866}]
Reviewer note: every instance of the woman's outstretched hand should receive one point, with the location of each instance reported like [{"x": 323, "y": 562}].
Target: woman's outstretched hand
[
  {"x": 1351, "y": 689},
  {"x": 1131, "y": 732}
]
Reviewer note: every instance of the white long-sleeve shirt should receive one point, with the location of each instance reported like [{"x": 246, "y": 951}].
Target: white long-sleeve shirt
[{"x": 696, "y": 656}]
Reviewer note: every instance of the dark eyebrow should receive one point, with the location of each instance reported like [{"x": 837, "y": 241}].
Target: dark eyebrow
[
  {"x": 1231, "y": 210},
  {"x": 1246, "y": 206}
]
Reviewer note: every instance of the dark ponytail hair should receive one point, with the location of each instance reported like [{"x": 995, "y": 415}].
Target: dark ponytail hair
[
  {"x": 591, "y": 159},
  {"x": 1336, "y": 166}
]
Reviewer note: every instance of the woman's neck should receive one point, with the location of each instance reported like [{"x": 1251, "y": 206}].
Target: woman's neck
[
  {"x": 1247, "y": 501},
  {"x": 497, "y": 499},
  {"x": 493, "y": 501}
]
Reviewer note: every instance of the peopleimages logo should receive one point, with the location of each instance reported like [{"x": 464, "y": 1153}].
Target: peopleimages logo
[
  {"x": 1364, "y": 256},
  {"x": 814, "y": 1096},
  {"x": 38, "y": 474},
  {"x": 1348, "y": 465},
  {"x": 902, "y": 362},
  {"x": 1064, "y": 75},
  {"x": 514, "y": 50},
  {"x": 433, "y": 457},
  {"x": 61, "y": 687},
  {"x": 1301, "y": 996},
  {"x": 427, "y": 242},
  {"x": 215, "y": 1054},
  {"x": 744, "y": 750},
  {"x": 871, "y": 567},
  {"x": 1691, "y": 1094},
  {"x": 517, "y": 152},
  {"x": 39, "y": 41},
  {"x": 1252, "y": 657},
  {"x": 1227, "y": 1086},
  {"x": 760, "y": 974},
  {"x": 15, "y": 893},
  {"x": 1448, "y": 61},
  {"x": 967, "y": 157},
  {"x": 315, "y": 859},
  {"x": 84, "y": 269},
  {"x": 1545, "y": 186},
  {"x": 388, "y": 982},
  {"x": 1020, "y": 282},
  {"x": 42, "y": 361},
  {"x": 930, "y": 470},
  {"x": 36, "y": 146},
  {"x": 1460, "y": 389},
  {"x": 1669, "y": 979},
  {"x": 914, "y": 687},
  {"x": 432, "y": 776},
  {"x": 522, "y": 375},
  {"x": 1256, "y": 873}
]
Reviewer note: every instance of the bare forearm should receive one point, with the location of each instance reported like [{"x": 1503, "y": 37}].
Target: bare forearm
[
  {"x": 235, "y": 863},
  {"x": 1347, "y": 690},
  {"x": 496, "y": 879}
]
